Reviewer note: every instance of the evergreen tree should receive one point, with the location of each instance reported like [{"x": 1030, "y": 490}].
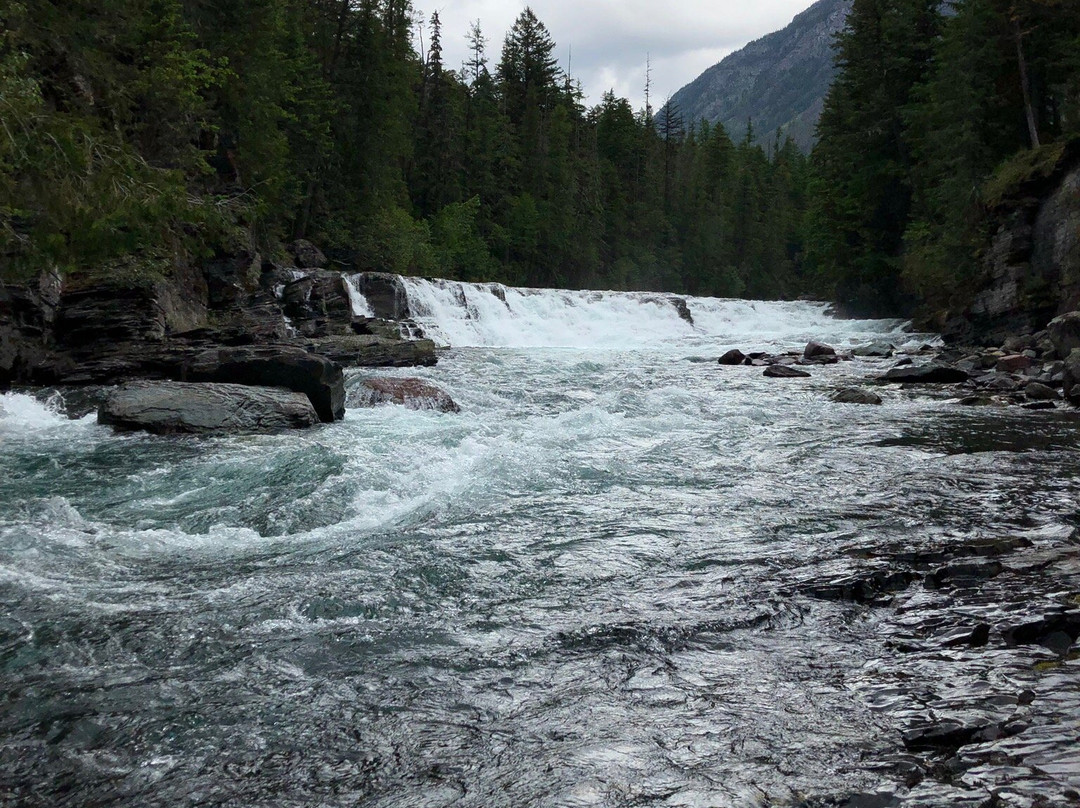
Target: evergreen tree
[{"x": 862, "y": 192}]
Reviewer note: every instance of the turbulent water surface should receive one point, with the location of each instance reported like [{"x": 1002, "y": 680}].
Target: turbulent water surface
[{"x": 586, "y": 589}]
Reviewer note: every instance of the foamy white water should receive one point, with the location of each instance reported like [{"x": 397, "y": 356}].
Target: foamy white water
[
  {"x": 360, "y": 306},
  {"x": 492, "y": 315},
  {"x": 587, "y": 588}
]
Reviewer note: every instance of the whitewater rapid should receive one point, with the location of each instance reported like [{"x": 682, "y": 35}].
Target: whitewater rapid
[
  {"x": 495, "y": 316},
  {"x": 582, "y": 590}
]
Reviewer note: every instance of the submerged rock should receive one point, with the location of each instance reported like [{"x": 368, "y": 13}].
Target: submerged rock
[
  {"x": 178, "y": 407},
  {"x": 856, "y": 395},
  {"x": 275, "y": 366},
  {"x": 415, "y": 394},
  {"x": 933, "y": 373},
  {"x": 680, "y": 306},
  {"x": 785, "y": 372}
]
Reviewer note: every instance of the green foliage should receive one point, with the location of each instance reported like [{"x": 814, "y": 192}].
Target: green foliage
[
  {"x": 136, "y": 129},
  {"x": 460, "y": 250},
  {"x": 1024, "y": 167},
  {"x": 922, "y": 135},
  {"x": 393, "y": 241},
  {"x": 85, "y": 178}
]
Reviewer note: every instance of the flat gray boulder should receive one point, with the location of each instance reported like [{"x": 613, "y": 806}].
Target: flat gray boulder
[
  {"x": 934, "y": 373},
  {"x": 166, "y": 408}
]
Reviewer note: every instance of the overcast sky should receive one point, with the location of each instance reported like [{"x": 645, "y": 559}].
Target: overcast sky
[{"x": 610, "y": 39}]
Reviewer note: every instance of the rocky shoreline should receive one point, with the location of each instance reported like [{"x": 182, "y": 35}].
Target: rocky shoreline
[
  {"x": 1036, "y": 372},
  {"x": 234, "y": 321}
]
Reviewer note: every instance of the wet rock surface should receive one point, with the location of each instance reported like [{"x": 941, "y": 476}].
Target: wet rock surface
[
  {"x": 415, "y": 394},
  {"x": 317, "y": 377},
  {"x": 108, "y": 332},
  {"x": 375, "y": 351},
  {"x": 933, "y": 373},
  {"x": 978, "y": 677},
  {"x": 167, "y": 408},
  {"x": 785, "y": 372},
  {"x": 856, "y": 395}
]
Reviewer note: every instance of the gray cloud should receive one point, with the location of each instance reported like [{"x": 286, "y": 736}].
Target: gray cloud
[{"x": 610, "y": 40}]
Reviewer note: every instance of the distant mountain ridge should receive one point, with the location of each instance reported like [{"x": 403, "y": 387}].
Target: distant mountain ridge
[{"x": 778, "y": 81}]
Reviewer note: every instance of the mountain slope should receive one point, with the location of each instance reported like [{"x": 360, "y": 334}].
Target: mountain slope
[{"x": 778, "y": 81}]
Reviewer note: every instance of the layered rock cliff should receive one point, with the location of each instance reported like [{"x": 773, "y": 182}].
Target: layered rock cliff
[{"x": 1032, "y": 261}]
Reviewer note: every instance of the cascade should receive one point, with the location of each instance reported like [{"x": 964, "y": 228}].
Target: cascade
[{"x": 459, "y": 314}]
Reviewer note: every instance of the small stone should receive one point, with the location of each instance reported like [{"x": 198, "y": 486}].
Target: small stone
[
  {"x": 1002, "y": 383},
  {"x": 881, "y": 350},
  {"x": 856, "y": 395},
  {"x": 785, "y": 372}
]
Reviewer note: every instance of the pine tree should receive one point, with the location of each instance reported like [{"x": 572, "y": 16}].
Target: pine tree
[{"x": 862, "y": 192}]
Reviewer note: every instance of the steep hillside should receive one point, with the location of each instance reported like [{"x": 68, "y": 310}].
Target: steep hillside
[{"x": 778, "y": 81}]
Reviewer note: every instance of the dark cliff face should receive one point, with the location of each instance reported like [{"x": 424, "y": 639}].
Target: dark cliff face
[
  {"x": 1031, "y": 264},
  {"x": 778, "y": 81}
]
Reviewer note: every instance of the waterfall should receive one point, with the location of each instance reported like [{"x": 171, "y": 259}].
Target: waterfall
[{"x": 492, "y": 315}]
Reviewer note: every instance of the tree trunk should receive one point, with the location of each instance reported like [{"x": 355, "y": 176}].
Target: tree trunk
[{"x": 1025, "y": 85}]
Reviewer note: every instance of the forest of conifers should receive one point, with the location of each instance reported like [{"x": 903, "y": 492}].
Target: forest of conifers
[{"x": 137, "y": 131}]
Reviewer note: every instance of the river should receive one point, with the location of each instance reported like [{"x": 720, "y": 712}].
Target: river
[{"x": 592, "y": 587}]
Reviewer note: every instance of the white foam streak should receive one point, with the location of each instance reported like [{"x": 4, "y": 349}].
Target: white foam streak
[
  {"x": 491, "y": 315},
  {"x": 20, "y": 413}
]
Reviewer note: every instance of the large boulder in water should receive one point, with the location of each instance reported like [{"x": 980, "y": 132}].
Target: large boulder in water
[
  {"x": 275, "y": 366},
  {"x": 818, "y": 350},
  {"x": 934, "y": 373},
  {"x": 177, "y": 407},
  {"x": 733, "y": 357},
  {"x": 415, "y": 394}
]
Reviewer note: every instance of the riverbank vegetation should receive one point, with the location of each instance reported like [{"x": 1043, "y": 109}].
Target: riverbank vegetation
[
  {"x": 138, "y": 130},
  {"x": 939, "y": 111}
]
